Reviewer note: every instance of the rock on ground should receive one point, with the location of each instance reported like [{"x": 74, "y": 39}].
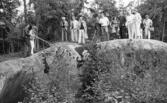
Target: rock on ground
[
  {"x": 55, "y": 63},
  {"x": 138, "y": 67}
]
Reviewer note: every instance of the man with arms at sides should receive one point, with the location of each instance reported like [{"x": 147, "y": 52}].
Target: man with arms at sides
[
  {"x": 147, "y": 22},
  {"x": 82, "y": 31},
  {"x": 114, "y": 26},
  {"x": 130, "y": 24},
  {"x": 64, "y": 27},
  {"x": 74, "y": 26},
  {"x": 122, "y": 27},
  {"x": 104, "y": 22},
  {"x": 97, "y": 28}
]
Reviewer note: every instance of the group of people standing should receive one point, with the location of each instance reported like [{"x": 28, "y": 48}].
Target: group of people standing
[
  {"x": 78, "y": 29},
  {"x": 138, "y": 28},
  {"x": 129, "y": 25}
]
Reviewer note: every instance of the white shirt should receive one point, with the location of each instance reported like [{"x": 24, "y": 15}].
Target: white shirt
[
  {"x": 130, "y": 19},
  {"x": 104, "y": 21},
  {"x": 74, "y": 24},
  {"x": 32, "y": 34},
  {"x": 147, "y": 23}
]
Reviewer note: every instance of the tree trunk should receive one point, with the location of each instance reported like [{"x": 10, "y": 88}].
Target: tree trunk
[
  {"x": 38, "y": 24},
  {"x": 163, "y": 30},
  {"x": 163, "y": 34},
  {"x": 25, "y": 11}
]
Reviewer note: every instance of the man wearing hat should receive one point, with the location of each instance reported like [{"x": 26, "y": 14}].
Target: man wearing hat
[{"x": 64, "y": 26}]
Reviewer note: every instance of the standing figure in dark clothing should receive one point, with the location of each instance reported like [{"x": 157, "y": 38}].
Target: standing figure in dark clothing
[
  {"x": 122, "y": 26},
  {"x": 64, "y": 26},
  {"x": 115, "y": 28},
  {"x": 26, "y": 39},
  {"x": 97, "y": 32}
]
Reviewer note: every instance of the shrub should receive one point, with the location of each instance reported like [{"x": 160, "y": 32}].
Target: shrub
[{"x": 105, "y": 81}]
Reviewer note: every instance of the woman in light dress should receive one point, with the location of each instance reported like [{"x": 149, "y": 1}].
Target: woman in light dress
[
  {"x": 133, "y": 24},
  {"x": 130, "y": 24},
  {"x": 137, "y": 23},
  {"x": 74, "y": 29}
]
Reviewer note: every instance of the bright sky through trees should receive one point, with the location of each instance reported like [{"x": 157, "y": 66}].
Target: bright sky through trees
[{"x": 125, "y": 2}]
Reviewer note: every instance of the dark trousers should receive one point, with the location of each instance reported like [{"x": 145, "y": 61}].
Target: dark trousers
[
  {"x": 64, "y": 34},
  {"x": 123, "y": 32},
  {"x": 105, "y": 33}
]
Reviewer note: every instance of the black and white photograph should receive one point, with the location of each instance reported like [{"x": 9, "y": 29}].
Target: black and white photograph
[{"x": 83, "y": 51}]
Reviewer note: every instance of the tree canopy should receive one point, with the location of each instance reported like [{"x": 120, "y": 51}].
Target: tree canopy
[
  {"x": 49, "y": 12},
  {"x": 157, "y": 10},
  {"x": 8, "y": 9}
]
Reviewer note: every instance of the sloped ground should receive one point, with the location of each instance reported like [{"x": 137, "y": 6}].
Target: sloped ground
[
  {"x": 6, "y": 57},
  {"x": 57, "y": 63},
  {"x": 120, "y": 70},
  {"x": 127, "y": 71}
]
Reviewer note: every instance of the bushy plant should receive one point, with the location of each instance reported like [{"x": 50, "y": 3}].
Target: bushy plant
[
  {"x": 39, "y": 92},
  {"x": 105, "y": 81},
  {"x": 105, "y": 76}
]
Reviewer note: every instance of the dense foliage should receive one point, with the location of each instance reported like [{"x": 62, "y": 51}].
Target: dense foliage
[
  {"x": 106, "y": 76},
  {"x": 96, "y": 71},
  {"x": 47, "y": 18},
  {"x": 49, "y": 13},
  {"x": 8, "y": 9},
  {"x": 157, "y": 10}
]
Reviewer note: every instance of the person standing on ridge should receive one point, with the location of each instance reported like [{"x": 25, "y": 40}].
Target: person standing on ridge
[
  {"x": 130, "y": 23},
  {"x": 147, "y": 22},
  {"x": 122, "y": 27},
  {"x": 74, "y": 29},
  {"x": 104, "y": 22},
  {"x": 137, "y": 24},
  {"x": 64, "y": 27},
  {"x": 82, "y": 31}
]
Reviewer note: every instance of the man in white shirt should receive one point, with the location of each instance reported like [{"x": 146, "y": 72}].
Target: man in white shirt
[
  {"x": 104, "y": 21},
  {"x": 147, "y": 25},
  {"x": 74, "y": 29}
]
